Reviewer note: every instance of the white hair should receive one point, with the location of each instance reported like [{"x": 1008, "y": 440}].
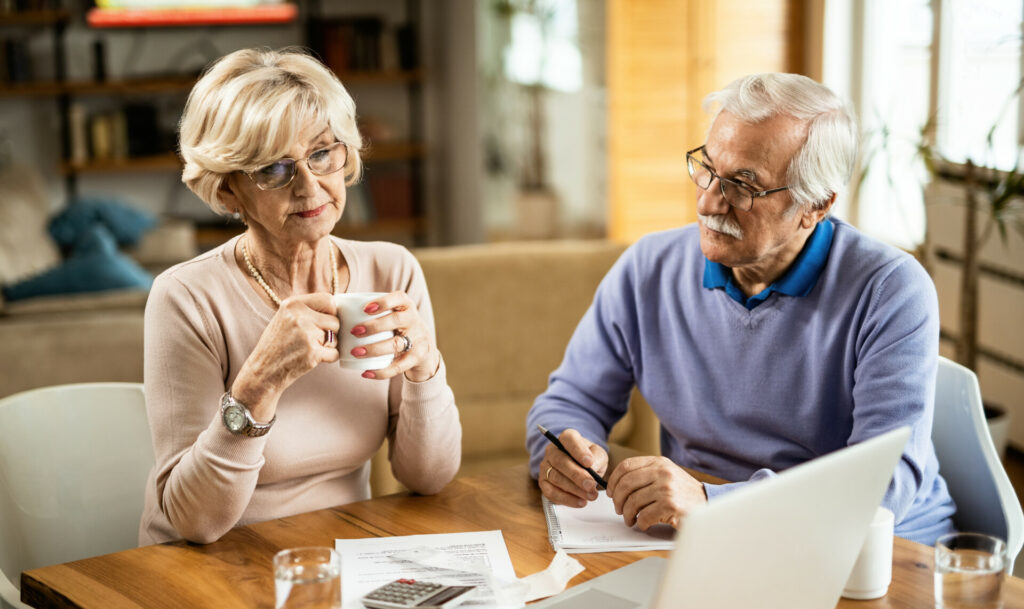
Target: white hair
[
  {"x": 250, "y": 107},
  {"x": 825, "y": 161}
]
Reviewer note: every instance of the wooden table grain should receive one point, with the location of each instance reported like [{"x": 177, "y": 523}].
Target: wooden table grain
[{"x": 235, "y": 571}]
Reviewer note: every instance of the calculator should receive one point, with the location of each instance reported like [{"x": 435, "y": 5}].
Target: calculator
[{"x": 409, "y": 593}]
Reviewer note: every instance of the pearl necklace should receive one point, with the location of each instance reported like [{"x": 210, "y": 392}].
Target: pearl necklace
[{"x": 270, "y": 291}]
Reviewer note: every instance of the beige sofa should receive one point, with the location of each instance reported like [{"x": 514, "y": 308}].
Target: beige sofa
[
  {"x": 94, "y": 336},
  {"x": 504, "y": 313}
]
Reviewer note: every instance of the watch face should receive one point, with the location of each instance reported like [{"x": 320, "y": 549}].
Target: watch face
[{"x": 234, "y": 418}]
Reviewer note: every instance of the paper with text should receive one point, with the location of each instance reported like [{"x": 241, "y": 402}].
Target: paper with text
[
  {"x": 596, "y": 527},
  {"x": 369, "y": 563}
]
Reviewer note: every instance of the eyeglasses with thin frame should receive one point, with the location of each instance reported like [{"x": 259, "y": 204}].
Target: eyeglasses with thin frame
[
  {"x": 280, "y": 173},
  {"x": 735, "y": 193}
]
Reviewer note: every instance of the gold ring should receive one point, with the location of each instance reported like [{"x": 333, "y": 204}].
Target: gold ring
[{"x": 548, "y": 473}]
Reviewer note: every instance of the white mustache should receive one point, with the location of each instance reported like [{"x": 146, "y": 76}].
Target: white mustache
[{"x": 722, "y": 224}]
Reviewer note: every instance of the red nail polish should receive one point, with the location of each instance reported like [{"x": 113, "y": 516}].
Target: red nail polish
[
  {"x": 359, "y": 352},
  {"x": 359, "y": 330},
  {"x": 369, "y": 375},
  {"x": 371, "y": 308}
]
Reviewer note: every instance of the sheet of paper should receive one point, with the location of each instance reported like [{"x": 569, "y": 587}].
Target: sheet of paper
[
  {"x": 596, "y": 527},
  {"x": 368, "y": 563}
]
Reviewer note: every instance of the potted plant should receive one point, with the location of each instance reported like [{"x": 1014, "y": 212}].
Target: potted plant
[
  {"x": 993, "y": 203},
  {"x": 993, "y": 197}
]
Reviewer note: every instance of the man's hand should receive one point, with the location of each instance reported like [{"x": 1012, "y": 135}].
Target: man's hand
[
  {"x": 652, "y": 490},
  {"x": 564, "y": 482}
]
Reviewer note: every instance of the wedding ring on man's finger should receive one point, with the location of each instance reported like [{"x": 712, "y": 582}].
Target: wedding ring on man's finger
[{"x": 548, "y": 473}]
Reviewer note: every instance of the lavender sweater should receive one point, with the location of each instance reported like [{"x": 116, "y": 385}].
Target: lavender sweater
[{"x": 742, "y": 393}]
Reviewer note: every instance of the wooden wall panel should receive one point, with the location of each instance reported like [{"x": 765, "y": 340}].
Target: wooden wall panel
[
  {"x": 647, "y": 96},
  {"x": 664, "y": 56}
]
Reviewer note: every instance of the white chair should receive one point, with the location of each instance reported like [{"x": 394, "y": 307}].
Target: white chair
[
  {"x": 985, "y": 499},
  {"x": 73, "y": 466}
]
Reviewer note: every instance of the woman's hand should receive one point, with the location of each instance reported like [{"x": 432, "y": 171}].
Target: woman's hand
[
  {"x": 292, "y": 344},
  {"x": 420, "y": 361}
]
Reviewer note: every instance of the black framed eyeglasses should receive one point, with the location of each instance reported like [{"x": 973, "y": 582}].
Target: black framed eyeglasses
[
  {"x": 280, "y": 173},
  {"x": 735, "y": 193}
]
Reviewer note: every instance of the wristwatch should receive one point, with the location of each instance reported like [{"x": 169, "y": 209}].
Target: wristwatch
[{"x": 238, "y": 419}]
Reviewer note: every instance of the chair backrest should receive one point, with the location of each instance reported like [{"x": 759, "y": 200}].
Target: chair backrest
[
  {"x": 985, "y": 499},
  {"x": 73, "y": 466}
]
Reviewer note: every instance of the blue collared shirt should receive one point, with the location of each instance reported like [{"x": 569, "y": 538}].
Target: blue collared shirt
[{"x": 798, "y": 280}]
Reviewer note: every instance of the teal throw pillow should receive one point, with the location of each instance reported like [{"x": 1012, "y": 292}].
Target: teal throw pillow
[{"x": 94, "y": 264}]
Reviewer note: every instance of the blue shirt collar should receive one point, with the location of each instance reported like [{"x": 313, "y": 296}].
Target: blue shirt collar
[{"x": 798, "y": 280}]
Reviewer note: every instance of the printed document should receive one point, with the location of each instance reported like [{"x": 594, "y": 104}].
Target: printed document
[{"x": 476, "y": 559}]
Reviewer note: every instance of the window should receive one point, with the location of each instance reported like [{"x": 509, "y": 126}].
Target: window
[
  {"x": 544, "y": 48},
  {"x": 980, "y": 72},
  {"x": 976, "y": 62}
]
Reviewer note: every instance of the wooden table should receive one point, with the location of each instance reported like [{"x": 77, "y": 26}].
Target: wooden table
[{"x": 235, "y": 572}]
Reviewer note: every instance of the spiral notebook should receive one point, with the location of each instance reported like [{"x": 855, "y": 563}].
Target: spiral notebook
[{"x": 597, "y": 528}]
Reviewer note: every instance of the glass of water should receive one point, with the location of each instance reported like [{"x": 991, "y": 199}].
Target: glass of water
[
  {"x": 969, "y": 571},
  {"x": 307, "y": 578}
]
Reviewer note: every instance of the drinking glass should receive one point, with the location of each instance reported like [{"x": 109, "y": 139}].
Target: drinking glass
[
  {"x": 969, "y": 571},
  {"x": 307, "y": 578}
]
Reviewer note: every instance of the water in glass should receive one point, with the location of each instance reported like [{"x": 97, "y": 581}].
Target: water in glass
[
  {"x": 308, "y": 584},
  {"x": 969, "y": 579}
]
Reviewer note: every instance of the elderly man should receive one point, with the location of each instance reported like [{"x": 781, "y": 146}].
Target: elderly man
[{"x": 765, "y": 335}]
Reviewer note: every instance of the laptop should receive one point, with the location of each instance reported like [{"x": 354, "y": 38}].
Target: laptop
[{"x": 788, "y": 542}]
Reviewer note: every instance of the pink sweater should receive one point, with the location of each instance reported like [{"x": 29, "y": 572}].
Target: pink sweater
[{"x": 202, "y": 320}]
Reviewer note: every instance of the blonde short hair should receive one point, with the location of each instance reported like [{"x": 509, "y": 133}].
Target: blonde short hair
[{"x": 250, "y": 106}]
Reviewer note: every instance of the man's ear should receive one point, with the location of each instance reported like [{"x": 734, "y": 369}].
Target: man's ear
[{"x": 817, "y": 213}]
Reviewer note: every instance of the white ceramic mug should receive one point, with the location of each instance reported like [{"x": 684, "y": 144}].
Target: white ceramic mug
[
  {"x": 350, "y": 314},
  {"x": 872, "y": 572}
]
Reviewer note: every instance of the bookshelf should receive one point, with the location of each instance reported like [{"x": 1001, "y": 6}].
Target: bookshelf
[
  {"x": 377, "y": 53},
  {"x": 395, "y": 164}
]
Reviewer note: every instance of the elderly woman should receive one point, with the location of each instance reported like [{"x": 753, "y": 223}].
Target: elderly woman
[{"x": 271, "y": 136}]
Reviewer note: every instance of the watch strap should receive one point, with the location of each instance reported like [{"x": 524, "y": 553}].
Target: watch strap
[
  {"x": 251, "y": 428},
  {"x": 254, "y": 429}
]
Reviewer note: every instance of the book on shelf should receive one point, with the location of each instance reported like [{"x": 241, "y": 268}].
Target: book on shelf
[
  {"x": 353, "y": 44},
  {"x": 101, "y": 137},
  {"x": 391, "y": 192},
  {"x": 78, "y": 133},
  {"x": 3, "y": 61},
  {"x": 143, "y": 130},
  {"x": 407, "y": 47},
  {"x": 128, "y": 132},
  {"x": 118, "y": 135},
  {"x": 17, "y": 61}
]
